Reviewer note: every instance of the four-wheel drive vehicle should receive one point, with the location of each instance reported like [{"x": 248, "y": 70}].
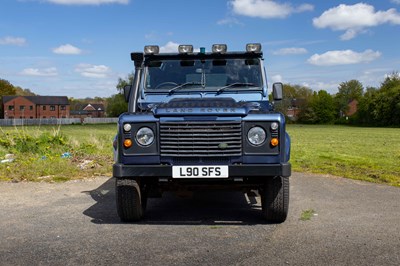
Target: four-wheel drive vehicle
[{"x": 201, "y": 120}]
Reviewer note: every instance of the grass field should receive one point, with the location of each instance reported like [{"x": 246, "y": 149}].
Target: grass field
[{"x": 371, "y": 154}]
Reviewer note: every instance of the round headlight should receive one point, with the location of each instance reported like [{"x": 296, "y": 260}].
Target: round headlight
[
  {"x": 256, "y": 135},
  {"x": 274, "y": 126},
  {"x": 145, "y": 136},
  {"x": 127, "y": 127}
]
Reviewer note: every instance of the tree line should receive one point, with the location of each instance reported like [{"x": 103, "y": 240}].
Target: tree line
[
  {"x": 378, "y": 106},
  {"x": 374, "y": 106}
]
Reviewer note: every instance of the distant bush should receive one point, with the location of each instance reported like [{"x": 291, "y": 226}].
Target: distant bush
[
  {"x": 54, "y": 154},
  {"x": 26, "y": 142}
]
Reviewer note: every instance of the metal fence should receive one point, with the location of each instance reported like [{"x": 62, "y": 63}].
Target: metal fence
[
  {"x": 57, "y": 121},
  {"x": 100, "y": 120}
]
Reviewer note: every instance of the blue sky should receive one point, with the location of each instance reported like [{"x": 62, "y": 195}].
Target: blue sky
[{"x": 79, "y": 48}]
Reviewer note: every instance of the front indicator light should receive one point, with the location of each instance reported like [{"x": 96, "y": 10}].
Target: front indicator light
[
  {"x": 127, "y": 143},
  {"x": 274, "y": 142}
]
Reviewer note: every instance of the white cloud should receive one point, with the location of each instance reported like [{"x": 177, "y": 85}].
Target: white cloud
[
  {"x": 276, "y": 78},
  {"x": 67, "y": 49},
  {"x": 330, "y": 87},
  {"x": 9, "y": 40},
  {"x": 266, "y": 8},
  {"x": 229, "y": 21},
  {"x": 354, "y": 19},
  {"x": 395, "y": 2},
  {"x": 87, "y": 2},
  {"x": 170, "y": 47},
  {"x": 150, "y": 36},
  {"x": 343, "y": 57},
  {"x": 93, "y": 71},
  {"x": 291, "y": 50},
  {"x": 46, "y": 72}
]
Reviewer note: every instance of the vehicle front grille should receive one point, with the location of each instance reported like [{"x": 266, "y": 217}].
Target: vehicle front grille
[{"x": 201, "y": 138}]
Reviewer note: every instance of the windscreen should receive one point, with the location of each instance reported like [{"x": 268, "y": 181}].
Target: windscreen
[{"x": 202, "y": 74}]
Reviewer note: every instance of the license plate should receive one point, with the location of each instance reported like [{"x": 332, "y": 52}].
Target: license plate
[{"x": 212, "y": 171}]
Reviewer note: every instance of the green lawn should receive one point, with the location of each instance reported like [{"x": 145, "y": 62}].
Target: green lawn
[{"x": 371, "y": 154}]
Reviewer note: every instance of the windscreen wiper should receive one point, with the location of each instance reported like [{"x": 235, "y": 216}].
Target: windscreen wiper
[
  {"x": 236, "y": 84},
  {"x": 181, "y": 86}
]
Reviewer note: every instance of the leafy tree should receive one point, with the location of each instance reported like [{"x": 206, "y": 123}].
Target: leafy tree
[
  {"x": 364, "y": 113},
  {"x": 116, "y": 105},
  {"x": 6, "y": 88},
  {"x": 124, "y": 82},
  {"x": 323, "y": 106},
  {"x": 321, "y": 109},
  {"x": 23, "y": 92},
  {"x": 295, "y": 96},
  {"x": 381, "y": 107},
  {"x": 391, "y": 81},
  {"x": 307, "y": 116},
  {"x": 387, "y": 106}
]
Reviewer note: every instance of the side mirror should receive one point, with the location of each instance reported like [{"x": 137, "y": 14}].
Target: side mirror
[
  {"x": 277, "y": 91},
  {"x": 127, "y": 91}
]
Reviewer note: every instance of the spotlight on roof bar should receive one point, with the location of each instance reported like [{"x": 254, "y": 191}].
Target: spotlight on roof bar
[
  {"x": 185, "y": 49},
  {"x": 219, "y": 48},
  {"x": 151, "y": 49},
  {"x": 253, "y": 47}
]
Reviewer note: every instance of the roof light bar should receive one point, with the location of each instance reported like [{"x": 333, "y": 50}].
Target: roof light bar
[
  {"x": 151, "y": 49},
  {"x": 253, "y": 47},
  {"x": 185, "y": 49},
  {"x": 219, "y": 48}
]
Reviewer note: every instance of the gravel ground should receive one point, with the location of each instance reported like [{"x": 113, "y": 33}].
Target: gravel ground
[{"x": 355, "y": 223}]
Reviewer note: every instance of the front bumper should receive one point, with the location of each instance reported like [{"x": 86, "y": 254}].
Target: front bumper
[{"x": 235, "y": 171}]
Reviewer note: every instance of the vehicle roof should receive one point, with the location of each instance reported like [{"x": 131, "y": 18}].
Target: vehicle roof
[{"x": 194, "y": 56}]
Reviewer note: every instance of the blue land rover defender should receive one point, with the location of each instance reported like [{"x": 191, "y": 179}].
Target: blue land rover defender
[{"x": 199, "y": 120}]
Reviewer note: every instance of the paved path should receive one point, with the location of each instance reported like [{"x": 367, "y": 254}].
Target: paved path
[{"x": 74, "y": 223}]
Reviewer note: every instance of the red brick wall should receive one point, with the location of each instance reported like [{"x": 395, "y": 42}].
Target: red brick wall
[
  {"x": 45, "y": 111},
  {"x": 352, "y": 108},
  {"x": 16, "y": 111}
]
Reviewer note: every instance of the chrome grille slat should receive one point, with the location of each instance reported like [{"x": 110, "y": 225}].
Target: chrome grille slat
[{"x": 201, "y": 138}]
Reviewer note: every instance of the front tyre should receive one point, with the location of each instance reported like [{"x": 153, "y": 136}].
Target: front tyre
[
  {"x": 275, "y": 199},
  {"x": 130, "y": 201}
]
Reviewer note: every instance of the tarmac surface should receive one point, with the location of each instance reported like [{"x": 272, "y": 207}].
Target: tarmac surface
[{"x": 75, "y": 223}]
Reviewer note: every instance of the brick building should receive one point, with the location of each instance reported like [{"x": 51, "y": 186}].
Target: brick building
[
  {"x": 89, "y": 110},
  {"x": 294, "y": 108},
  {"x": 26, "y": 107},
  {"x": 351, "y": 108}
]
